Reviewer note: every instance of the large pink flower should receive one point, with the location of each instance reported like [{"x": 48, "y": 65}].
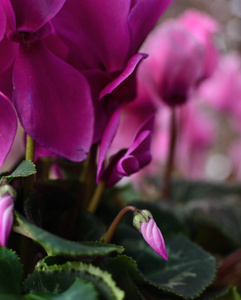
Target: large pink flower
[
  {"x": 104, "y": 38},
  {"x": 52, "y": 99}
]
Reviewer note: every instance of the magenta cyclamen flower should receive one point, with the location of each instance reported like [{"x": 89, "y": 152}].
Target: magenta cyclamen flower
[
  {"x": 126, "y": 161},
  {"x": 52, "y": 99},
  {"x": 144, "y": 222},
  {"x": 103, "y": 39},
  {"x": 182, "y": 53},
  {"x": 7, "y": 196},
  {"x": 175, "y": 63}
]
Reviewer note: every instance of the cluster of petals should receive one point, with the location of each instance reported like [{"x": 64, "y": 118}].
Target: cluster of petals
[
  {"x": 104, "y": 39},
  {"x": 6, "y": 214},
  {"x": 182, "y": 53},
  {"x": 52, "y": 99},
  {"x": 153, "y": 236},
  {"x": 126, "y": 161},
  {"x": 70, "y": 65}
]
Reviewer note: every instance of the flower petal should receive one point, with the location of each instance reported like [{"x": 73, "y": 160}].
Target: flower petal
[
  {"x": 2, "y": 22},
  {"x": 142, "y": 19},
  {"x": 130, "y": 67},
  {"x": 32, "y": 15},
  {"x": 97, "y": 32},
  {"x": 8, "y": 51},
  {"x": 128, "y": 165},
  {"x": 8, "y": 126},
  {"x": 153, "y": 237},
  {"x": 106, "y": 141},
  {"x": 53, "y": 102}
]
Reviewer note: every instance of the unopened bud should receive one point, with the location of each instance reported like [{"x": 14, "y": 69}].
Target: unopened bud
[
  {"x": 7, "y": 196},
  {"x": 144, "y": 222}
]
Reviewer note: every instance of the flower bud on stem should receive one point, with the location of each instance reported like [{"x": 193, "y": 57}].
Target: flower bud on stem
[{"x": 144, "y": 222}]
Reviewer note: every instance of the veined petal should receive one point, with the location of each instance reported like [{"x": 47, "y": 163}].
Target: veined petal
[
  {"x": 31, "y": 15},
  {"x": 97, "y": 32},
  {"x": 53, "y": 102},
  {"x": 3, "y": 21},
  {"x": 7, "y": 53},
  {"x": 8, "y": 126},
  {"x": 142, "y": 18}
]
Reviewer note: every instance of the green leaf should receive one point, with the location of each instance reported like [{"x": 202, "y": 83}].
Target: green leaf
[
  {"x": 25, "y": 169},
  {"x": 215, "y": 223},
  {"x": 188, "y": 271},
  {"x": 231, "y": 294},
  {"x": 11, "y": 272},
  {"x": 89, "y": 227},
  {"x": 80, "y": 289},
  {"x": 55, "y": 245},
  {"x": 58, "y": 278}
]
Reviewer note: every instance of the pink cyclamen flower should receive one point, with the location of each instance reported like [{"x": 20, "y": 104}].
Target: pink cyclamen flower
[
  {"x": 144, "y": 222},
  {"x": 52, "y": 99},
  {"x": 175, "y": 63},
  {"x": 126, "y": 161},
  {"x": 7, "y": 196},
  {"x": 203, "y": 27},
  {"x": 103, "y": 39}
]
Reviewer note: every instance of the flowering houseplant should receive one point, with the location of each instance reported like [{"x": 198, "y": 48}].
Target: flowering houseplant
[{"x": 71, "y": 71}]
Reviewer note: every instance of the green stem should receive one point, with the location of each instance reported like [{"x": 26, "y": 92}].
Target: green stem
[
  {"x": 29, "y": 155},
  {"x": 170, "y": 157},
  {"x": 88, "y": 176},
  {"x": 94, "y": 202},
  {"x": 110, "y": 232}
]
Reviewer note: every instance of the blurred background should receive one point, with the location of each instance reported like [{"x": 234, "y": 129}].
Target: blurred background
[{"x": 226, "y": 12}]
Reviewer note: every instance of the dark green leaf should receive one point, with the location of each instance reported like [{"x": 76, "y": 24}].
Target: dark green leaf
[
  {"x": 25, "y": 169},
  {"x": 188, "y": 271},
  {"x": 11, "y": 272},
  {"x": 88, "y": 227},
  {"x": 58, "y": 279},
  {"x": 215, "y": 224},
  {"x": 80, "y": 289},
  {"x": 55, "y": 245},
  {"x": 187, "y": 190}
]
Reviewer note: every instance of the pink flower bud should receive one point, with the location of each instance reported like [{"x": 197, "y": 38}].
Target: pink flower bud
[
  {"x": 145, "y": 223},
  {"x": 7, "y": 195}
]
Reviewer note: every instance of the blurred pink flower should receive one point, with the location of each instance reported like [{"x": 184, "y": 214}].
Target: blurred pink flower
[
  {"x": 182, "y": 53},
  {"x": 204, "y": 28},
  {"x": 223, "y": 90},
  {"x": 175, "y": 63}
]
